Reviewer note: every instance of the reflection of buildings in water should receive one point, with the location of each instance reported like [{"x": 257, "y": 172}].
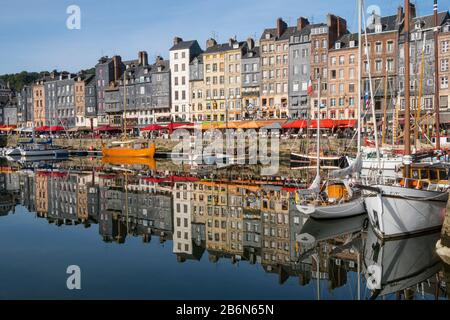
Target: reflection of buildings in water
[
  {"x": 276, "y": 235},
  {"x": 231, "y": 221},
  {"x": 41, "y": 188},
  {"x": 62, "y": 194},
  {"x": 182, "y": 232},
  {"x": 9, "y": 193},
  {"x": 140, "y": 212},
  {"x": 27, "y": 191}
]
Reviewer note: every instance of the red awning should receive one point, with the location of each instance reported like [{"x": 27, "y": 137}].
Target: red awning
[
  {"x": 153, "y": 179},
  {"x": 350, "y": 123},
  {"x": 42, "y": 129},
  {"x": 107, "y": 128},
  {"x": 56, "y": 128},
  {"x": 183, "y": 179},
  {"x": 174, "y": 125},
  {"x": 296, "y": 124},
  {"x": 324, "y": 124},
  {"x": 153, "y": 127}
]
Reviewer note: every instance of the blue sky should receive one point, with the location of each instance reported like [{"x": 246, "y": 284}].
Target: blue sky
[{"x": 34, "y": 37}]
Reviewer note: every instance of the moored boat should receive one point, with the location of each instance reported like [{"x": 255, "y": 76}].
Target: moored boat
[{"x": 131, "y": 148}]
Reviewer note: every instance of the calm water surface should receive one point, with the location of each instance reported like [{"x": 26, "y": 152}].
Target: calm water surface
[{"x": 161, "y": 235}]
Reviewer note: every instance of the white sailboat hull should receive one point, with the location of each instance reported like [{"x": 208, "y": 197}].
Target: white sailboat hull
[
  {"x": 401, "y": 263},
  {"x": 341, "y": 210},
  {"x": 12, "y": 152},
  {"x": 398, "y": 211},
  {"x": 41, "y": 153}
]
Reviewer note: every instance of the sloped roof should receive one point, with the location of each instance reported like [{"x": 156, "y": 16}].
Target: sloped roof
[
  {"x": 183, "y": 45},
  {"x": 223, "y": 47},
  {"x": 345, "y": 40},
  {"x": 388, "y": 23},
  {"x": 255, "y": 52},
  {"x": 273, "y": 33}
]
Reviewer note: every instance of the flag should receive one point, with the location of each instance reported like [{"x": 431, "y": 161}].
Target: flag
[
  {"x": 310, "y": 88},
  {"x": 367, "y": 100}
]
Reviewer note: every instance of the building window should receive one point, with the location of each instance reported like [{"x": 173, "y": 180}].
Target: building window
[
  {"x": 444, "y": 82},
  {"x": 378, "y": 47},
  {"x": 390, "y": 46},
  {"x": 445, "y": 46},
  {"x": 390, "y": 65},
  {"x": 444, "y": 65},
  {"x": 378, "y": 66}
]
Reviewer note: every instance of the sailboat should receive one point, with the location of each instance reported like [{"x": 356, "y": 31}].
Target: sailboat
[
  {"x": 339, "y": 200},
  {"x": 132, "y": 147},
  {"x": 394, "y": 265},
  {"x": 408, "y": 206}
]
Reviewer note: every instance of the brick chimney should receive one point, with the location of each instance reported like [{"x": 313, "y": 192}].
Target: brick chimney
[
  {"x": 250, "y": 43},
  {"x": 281, "y": 27},
  {"x": 210, "y": 43},
  {"x": 177, "y": 40},
  {"x": 159, "y": 60},
  {"x": 399, "y": 15},
  {"x": 337, "y": 26},
  {"x": 143, "y": 58},
  {"x": 412, "y": 10},
  {"x": 117, "y": 62},
  {"x": 301, "y": 23}
]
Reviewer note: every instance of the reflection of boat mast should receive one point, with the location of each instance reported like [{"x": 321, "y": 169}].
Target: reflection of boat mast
[{"x": 125, "y": 105}]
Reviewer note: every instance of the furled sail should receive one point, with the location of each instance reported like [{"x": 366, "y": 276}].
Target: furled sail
[
  {"x": 313, "y": 188},
  {"x": 355, "y": 167}
]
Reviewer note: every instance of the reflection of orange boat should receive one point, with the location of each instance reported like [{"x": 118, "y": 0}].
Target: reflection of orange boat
[
  {"x": 126, "y": 149},
  {"x": 145, "y": 161}
]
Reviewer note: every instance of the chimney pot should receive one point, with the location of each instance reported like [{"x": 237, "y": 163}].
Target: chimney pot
[
  {"x": 281, "y": 27},
  {"x": 301, "y": 23},
  {"x": 177, "y": 40},
  {"x": 250, "y": 43}
]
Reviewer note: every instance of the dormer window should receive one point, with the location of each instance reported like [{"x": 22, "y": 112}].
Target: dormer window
[
  {"x": 378, "y": 28},
  {"x": 337, "y": 45},
  {"x": 250, "y": 54},
  {"x": 352, "y": 44},
  {"x": 236, "y": 45},
  {"x": 419, "y": 25},
  {"x": 267, "y": 36}
]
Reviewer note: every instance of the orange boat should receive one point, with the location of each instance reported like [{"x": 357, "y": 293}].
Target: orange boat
[
  {"x": 141, "y": 149},
  {"x": 144, "y": 161}
]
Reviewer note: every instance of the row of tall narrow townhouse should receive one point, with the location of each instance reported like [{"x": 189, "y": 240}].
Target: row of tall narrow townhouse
[
  {"x": 265, "y": 79},
  {"x": 423, "y": 84},
  {"x": 141, "y": 95}
]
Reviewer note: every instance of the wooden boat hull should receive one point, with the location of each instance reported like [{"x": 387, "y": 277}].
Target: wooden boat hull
[
  {"x": 117, "y": 152},
  {"x": 395, "y": 211},
  {"x": 147, "y": 161}
]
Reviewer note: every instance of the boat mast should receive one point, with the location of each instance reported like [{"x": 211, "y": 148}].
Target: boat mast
[
  {"x": 318, "y": 128},
  {"x": 359, "y": 72},
  {"x": 436, "y": 80},
  {"x": 125, "y": 105},
  {"x": 407, "y": 88},
  {"x": 419, "y": 101}
]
